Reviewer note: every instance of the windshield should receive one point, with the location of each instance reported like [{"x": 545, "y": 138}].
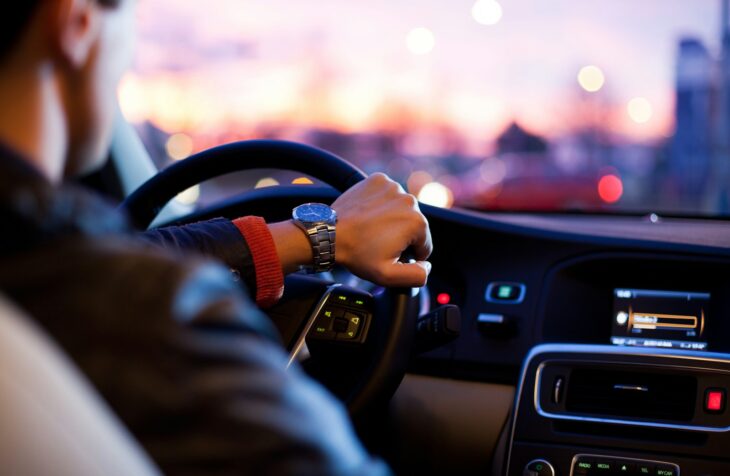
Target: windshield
[{"x": 561, "y": 105}]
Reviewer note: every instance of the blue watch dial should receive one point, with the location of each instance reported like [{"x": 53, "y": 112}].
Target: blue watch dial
[{"x": 313, "y": 212}]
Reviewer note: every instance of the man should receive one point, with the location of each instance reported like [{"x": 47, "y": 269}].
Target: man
[{"x": 188, "y": 363}]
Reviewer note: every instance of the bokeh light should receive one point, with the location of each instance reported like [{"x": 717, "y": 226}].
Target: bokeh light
[
  {"x": 640, "y": 110},
  {"x": 591, "y": 78},
  {"x": 267, "y": 182},
  {"x": 417, "y": 180},
  {"x": 189, "y": 196},
  {"x": 436, "y": 194},
  {"x": 493, "y": 171},
  {"x": 487, "y": 12},
  {"x": 610, "y": 188},
  {"x": 179, "y": 146},
  {"x": 420, "y": 41}
]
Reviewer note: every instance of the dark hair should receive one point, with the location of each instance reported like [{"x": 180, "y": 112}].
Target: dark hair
[{"x": 15, "y": 20}]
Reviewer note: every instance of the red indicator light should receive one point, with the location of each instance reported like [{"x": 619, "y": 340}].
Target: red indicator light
[
  {"x": 443, "y": 298},
  {"x": 715, "y": 400},
  {"x": 610, "y": 188}
]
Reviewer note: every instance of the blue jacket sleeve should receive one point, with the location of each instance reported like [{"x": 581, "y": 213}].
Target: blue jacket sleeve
[{"x": 218, "y": 239}]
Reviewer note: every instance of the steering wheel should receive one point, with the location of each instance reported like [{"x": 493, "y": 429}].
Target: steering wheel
[{"x": 363, "y": 376}]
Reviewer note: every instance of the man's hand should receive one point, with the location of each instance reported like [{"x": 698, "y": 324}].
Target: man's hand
[{"x": 376, "y": 221}]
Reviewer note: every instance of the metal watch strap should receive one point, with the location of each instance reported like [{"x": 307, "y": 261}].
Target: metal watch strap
[{"x": 322, "y": 238}]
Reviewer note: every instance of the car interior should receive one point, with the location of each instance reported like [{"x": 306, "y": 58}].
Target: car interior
[{"x": 555, "y": 337}]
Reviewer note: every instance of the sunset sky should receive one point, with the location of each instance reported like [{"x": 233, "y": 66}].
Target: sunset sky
[{"x": 204, "y": 67}]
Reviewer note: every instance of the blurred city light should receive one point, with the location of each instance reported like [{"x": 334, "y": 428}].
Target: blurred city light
[
  {"x": 179, "y": 146},
  {"x": 189, "y": 196},
  {"x": 420, "y": 41},
  {"x": 417, "y": 180},
  {"x": 487, "y": 12},
  {"x": 493, "y": 171},
  {"x": 131, "y": 102},
  {"x": 640, "y": 110},
  {"x": 267, "y": 182},
  {"x": 302, "y": 181},
  {"x": 591, "y": 78},
  {"x": 610, "y": 188},
  {"x": 436, "y": 194}
]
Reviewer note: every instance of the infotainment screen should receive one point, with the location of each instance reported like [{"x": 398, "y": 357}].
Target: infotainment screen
[{"x": 651, "y": 318}]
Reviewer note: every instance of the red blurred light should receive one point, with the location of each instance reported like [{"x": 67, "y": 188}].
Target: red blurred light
[
  {"x": 610, "y": 188},
  {"x": 715, "y": 400},
  {"x": 443, "y": 298}
]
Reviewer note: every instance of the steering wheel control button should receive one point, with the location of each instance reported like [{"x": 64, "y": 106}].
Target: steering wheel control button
[
  {"x": 350, "y": 327},
  {"x": 340, "y": 325},
  {"x": 344, "y": 318},
  {"x": 505, "y": 293},
  {"x": 715, "y": 400},
  {"x": 539, "y": 467}
]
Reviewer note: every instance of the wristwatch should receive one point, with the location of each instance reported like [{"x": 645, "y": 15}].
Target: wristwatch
[{"x": 318, "y": 221}]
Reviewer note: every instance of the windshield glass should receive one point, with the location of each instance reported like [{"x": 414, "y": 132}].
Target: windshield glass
[{"x": 561, "y": 105}]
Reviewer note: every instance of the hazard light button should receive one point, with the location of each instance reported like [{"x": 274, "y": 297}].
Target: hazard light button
[{"x": 715, "y": 400}]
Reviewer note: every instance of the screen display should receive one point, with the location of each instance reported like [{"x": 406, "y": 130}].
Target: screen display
[{"x": 651, "y": 318}]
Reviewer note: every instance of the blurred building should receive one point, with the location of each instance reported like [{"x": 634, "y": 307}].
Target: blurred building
[
  {"x": 718, "y": 197},
  {"x": 699, "y": 165},
  {"x": 690, "y": 163}
]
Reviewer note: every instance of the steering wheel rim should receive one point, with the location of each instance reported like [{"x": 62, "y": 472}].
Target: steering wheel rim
[
  {"x": 394, "y": 338},
  {"x": 145, "y": 203}
]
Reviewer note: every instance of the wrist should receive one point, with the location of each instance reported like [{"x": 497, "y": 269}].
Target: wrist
[{"x": 292, "y": 246}]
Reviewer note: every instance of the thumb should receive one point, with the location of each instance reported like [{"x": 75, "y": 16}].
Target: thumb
[{"x": 413, "y": 274}]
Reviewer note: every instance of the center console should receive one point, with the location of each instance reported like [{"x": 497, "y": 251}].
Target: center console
[{"x": 585, "y": 410}]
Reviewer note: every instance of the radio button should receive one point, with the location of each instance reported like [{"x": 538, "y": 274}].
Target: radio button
[
  {"x": 666, "y": 470},
  {"x": 604, "y": 467},
  {"x": 645, "y": 468},
  {"x": 625, "y": 468}
]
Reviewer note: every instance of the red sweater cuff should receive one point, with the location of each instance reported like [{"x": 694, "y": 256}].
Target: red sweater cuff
[{"x": 269, "y": 276}]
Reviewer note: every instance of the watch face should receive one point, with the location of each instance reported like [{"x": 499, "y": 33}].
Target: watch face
[{"x": 313, "y": 212}]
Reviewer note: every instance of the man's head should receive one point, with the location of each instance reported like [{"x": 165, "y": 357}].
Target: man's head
[{"x": 60, "y": 62}]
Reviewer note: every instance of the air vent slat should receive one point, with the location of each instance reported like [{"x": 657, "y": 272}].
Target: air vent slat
[{"x": 649, "y": 396}]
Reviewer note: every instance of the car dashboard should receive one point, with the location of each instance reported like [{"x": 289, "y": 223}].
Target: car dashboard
[
  {"x": 611, "y": 328},
  {"x": 588, "y": 345}
]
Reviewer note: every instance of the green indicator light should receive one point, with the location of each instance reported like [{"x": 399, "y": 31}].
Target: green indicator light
[
  {"x": 505, "y": 291},
  {"x": 664, "y": 472},
  {"x": 584, "y": 465},
  {"x": 604, "y": 466},
  {"x": 359, "y": 302},
  {"x": 538, "y": 467},
  {"x": 328, "y": 313},
  {"x": 321, "y": 329},
  {"x": 644, "y": 470}
]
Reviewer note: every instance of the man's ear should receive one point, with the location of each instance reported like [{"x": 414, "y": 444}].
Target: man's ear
[{"x": 75, "y": 28}]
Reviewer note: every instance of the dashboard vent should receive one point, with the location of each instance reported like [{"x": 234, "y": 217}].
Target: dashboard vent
[{"x": 642, "y": 395}]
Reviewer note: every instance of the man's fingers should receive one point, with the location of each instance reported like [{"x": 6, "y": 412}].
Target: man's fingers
[{"x": 413, "y": 274}]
